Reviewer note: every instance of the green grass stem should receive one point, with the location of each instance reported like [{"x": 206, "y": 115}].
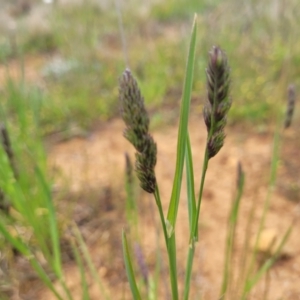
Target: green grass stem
[
  {"x": 89, "y": 262},
  {"x": 171, "y": 247},
  {"x": 191, "y": 211},
  {"x": 231, "y": 232},
  {"x": 129, "y": 269}
]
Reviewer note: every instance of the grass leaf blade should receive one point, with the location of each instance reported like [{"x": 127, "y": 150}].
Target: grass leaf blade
[
  {"x": 269, "y": 263},
  {"x": 182, "y": 132},
  {"x": 190, "y": 182},
  {"x": 57, "y": 264},
  {"x": 129, "y": 269},
  {"x": 24, "y": 250}
]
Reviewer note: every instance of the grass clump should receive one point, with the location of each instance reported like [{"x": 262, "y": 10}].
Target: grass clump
[{"x": 215, "y": 114}]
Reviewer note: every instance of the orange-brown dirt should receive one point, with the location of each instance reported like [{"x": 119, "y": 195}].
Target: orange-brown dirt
[{"x": 93, "y": 168}]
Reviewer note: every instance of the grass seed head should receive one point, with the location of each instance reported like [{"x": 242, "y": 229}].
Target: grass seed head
[
  {"x": 6, "y": 144},
  {"x": 291, "y": 100},
  {"x": 136, "y": 120},
  {"x": 215, "y": 143},
  {"x": 216, "y": 109}
]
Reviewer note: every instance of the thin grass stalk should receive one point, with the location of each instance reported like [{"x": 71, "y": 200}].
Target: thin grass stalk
[
  {"x": 267, "y": 285},
  {"x": 131, "y": 205},
  {"x": 270, "y": 262},
  {"x": 84, "y": 284},
  {"x": 271, "y": 186},
  {"x": 89, "y": 262},
  {"x": 54, "y": 232},
  {"x": 154, "y": 291},
  {"x": 55, "y": 261},
  {"x": 65, "y": 288},
  {"x": 173, "y": 266},
  {"x": 122, "y": 32},
  {"x": 190, "y": 182},
  {"x": 191, "y": 211},
  {"x": 243, "y": 261},
  {"x": 24, "y": 250},
  {"x": 171, "y": 247},
  {"x": 42, "y": 274},
  {"x": 15, "y": 190},
  {"x": 141, "y": 263},
  {"x": 267, "y": 265},
  {"x": 194, "y": 232},
  {"x": 159, "y": 266},
  {"x": 129, "y": 269},
  {"x": 189, "y": 268},
  {"x": 231, "y": 232},
  {"x": 161, "y": 213}
]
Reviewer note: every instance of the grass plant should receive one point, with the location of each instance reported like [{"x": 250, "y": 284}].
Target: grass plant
[
  {"x": 215, "y": 116},
  {"x": 27, "y": 203},
  {"x": 29, "y": 220}
]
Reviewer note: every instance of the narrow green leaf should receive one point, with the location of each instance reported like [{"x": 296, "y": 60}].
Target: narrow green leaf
[
  {"x": 173, "y": 266},
  {"x": 23, "y": 249},
  {"x": 192, "y": 215},
  {"x": 190, "y": 183},
  {"x": 129, "y": 269},
  {"x": 57, "y": 264},
  {"x": 188, "y": 274},
  {"x": 84, "y": 284},
  {"x": 231, "y": 232},
  {"x": 269, "y": 263},
  {"x": 15, "y": 242},
  {"x": 89, "y": 262},
  {"x": 182, "y": 132}
]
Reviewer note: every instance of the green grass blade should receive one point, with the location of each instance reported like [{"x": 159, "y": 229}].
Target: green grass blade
[
  {"x": 89, "y": 262},
  {"x": 231, "y": 232},
  {"x": 173, "y": 266},
  {"x": 188, "y": 274},
  {"x": 84, "y": 284},
  {"x": 171, "y": 247},
  {"x": 57, "y": 264},
  {"x": 192, "y": 215},
  {"x": 268, "y": 264},
  {"x": 182, "y": 132},
  {"x": 190, "y": 182},
  {"x": 267, "y": 202},
  {"x": 129, "y": 269},
  {"x": 24, "y": 250},
  {"x": 15, "y": 242},
  {"x": 54, "y": 231}
]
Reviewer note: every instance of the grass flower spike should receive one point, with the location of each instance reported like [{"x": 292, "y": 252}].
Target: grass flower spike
[
  {"x": 218, "y": 105},
  {"x": 291, "y": 99},
  {"x": 136, "y": 119}
]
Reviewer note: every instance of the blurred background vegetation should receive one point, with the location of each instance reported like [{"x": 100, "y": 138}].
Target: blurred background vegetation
[{"x": 70, "y": 52}]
